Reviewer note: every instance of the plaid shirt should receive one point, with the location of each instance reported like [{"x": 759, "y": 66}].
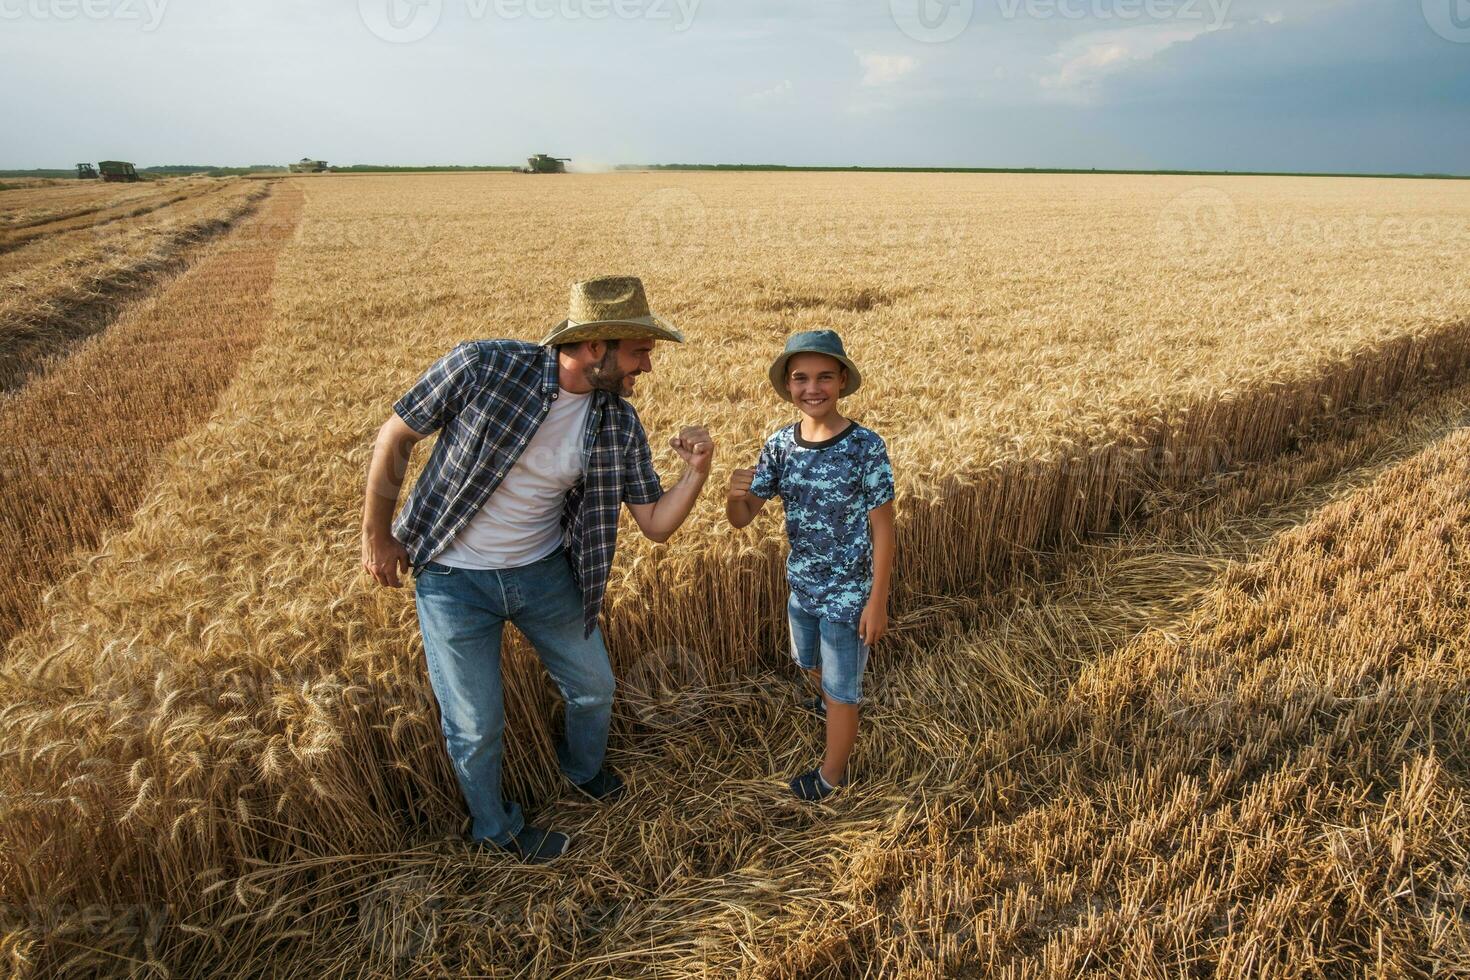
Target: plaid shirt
[{"x": 488, "y": 397}]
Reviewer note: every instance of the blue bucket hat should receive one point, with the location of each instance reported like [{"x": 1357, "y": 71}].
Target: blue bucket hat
[{"x": 814, "y": 342}]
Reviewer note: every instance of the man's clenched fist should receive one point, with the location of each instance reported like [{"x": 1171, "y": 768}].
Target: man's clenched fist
[{"x": 695, "y": 447}]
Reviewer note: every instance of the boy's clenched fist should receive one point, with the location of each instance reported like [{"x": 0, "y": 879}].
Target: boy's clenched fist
[{"x": 740, "y": 483}]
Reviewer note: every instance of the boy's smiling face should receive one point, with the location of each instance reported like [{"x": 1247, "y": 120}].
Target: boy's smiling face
[{"x": 815, "y": 382}]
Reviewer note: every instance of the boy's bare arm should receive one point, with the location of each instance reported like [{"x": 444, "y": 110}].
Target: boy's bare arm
[
  {"x": 741, "y": 505},
  {"x": 874, "y": 622}
]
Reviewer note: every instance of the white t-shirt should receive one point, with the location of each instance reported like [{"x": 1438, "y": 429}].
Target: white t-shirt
[{"x": 521, "y": 522}]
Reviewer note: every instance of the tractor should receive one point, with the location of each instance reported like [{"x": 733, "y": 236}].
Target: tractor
[
  {"x": 306, "y": 165},
  {"x": 543, "y": 164},
  {"x": 85, "y": 171}
]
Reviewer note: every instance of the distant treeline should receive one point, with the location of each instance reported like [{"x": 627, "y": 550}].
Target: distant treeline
[
  {"x": 376, "y": 168},
  {"x": 174, "y": 169},
  {"x": 210, "y": 170},
  {"x": 39, "y": 173},
  {"x": 1022, "y": 170},
  {"x": 165, "y": 170}
]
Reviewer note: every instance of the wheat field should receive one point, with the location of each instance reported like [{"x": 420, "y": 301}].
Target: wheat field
[{"x": 213, "y": 713}]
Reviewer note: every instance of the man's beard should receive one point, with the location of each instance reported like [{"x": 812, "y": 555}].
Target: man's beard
[{"x": 605, "y": 376}]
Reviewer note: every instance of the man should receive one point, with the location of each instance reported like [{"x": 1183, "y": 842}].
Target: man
[{"x": 515, "y": 517}]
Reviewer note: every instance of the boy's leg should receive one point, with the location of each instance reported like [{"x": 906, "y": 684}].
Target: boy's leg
[
  {"x": 842, "y": 726},
  {"x": 806, "y": 652},
  {"x": 844, "y": 657},
  {"x": 461, "y": 621},
  {"x": 549, "y": 612},
  {"x": 806, "y": 641}
]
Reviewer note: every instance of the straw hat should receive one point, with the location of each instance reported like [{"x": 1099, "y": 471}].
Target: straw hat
[
  {"x": 814, "y": 342},
  {"x": 610, "y": 308}
]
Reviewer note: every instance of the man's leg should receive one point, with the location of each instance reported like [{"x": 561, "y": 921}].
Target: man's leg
[
  {"x": 462, "y": 616},
  {"x": 550, "y": 614}
]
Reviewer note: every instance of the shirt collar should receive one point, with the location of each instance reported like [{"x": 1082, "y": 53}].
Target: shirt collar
[{"x": 550, "y": 371}]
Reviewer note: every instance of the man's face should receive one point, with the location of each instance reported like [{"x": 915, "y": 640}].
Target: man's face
[
  {"x": 815, "y": 382},
  {"x": 614, "y": 368}
]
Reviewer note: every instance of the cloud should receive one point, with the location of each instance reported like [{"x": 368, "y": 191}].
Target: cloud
[
  {"x": 884, "y": 69},
  {"x": 779, "y": 92},
  {"x": 1082, "y": 62},
  {"x": 1362, "y": 85}
]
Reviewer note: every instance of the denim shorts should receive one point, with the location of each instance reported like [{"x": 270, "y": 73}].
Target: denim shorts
[{"x": 833, "y": 647}]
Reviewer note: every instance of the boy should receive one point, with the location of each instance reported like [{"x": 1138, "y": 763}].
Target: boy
[{"x": 834, "y": 479}]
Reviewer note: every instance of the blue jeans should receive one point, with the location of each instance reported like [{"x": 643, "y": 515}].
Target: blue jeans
[
  {"x": 835, "y": 648},
  {"x": 462, "y": 612}
]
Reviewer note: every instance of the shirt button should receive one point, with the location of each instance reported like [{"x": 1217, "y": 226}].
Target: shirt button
[{"x": 553, "y": 396}]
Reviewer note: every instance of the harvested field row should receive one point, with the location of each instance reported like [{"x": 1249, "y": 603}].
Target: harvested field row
[
  {"x": 93, "y": 219},
  {"x": 79, "y": 446},
  {"x": 29, "y": 204},
  {"x": 56, "y": 265},
  {"x": 32, "y": 183},
  {"x": 735, "y": 878},
  {"x": 64, "y": 253},
  {"x": 68, "y": 290}
]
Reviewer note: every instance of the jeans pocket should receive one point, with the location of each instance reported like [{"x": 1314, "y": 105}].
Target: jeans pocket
[{"x": 432, "y": 568}]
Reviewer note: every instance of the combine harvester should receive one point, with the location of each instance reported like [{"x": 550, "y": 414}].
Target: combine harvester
[
  {"x": 543, "y": 164},
  {"x": 306, "y": 165}
]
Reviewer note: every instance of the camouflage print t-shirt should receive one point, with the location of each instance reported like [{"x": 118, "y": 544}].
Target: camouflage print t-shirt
[{"x": 827, "y": 487}]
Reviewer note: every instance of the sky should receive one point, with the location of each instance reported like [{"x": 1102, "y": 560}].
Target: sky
[{"x": 1289, "y": 85}]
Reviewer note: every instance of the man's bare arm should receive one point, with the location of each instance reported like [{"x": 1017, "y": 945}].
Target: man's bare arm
[
  {"x": 383, "y": 556},
  {"x": 658, "y": 521}
]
